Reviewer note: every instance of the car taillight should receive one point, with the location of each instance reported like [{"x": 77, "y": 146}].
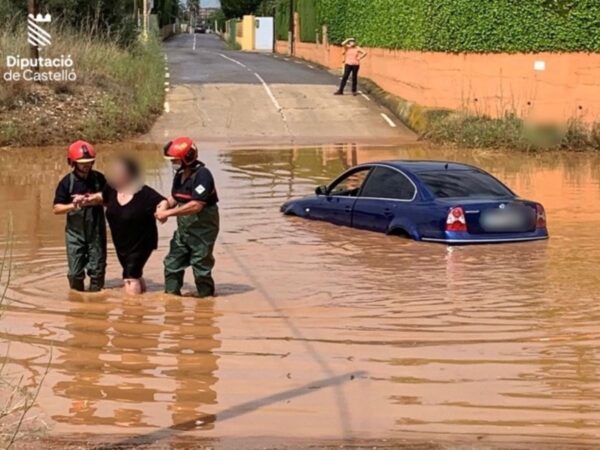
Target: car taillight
[
  {"x": 456, "y": 220},
  {"x": 541, "y": 217}
]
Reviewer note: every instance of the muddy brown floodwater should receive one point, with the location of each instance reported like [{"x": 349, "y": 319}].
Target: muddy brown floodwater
[{"x": 319, "y": 333}]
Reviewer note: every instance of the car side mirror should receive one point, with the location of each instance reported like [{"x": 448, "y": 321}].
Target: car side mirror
[{"x": 321, "y": 190}]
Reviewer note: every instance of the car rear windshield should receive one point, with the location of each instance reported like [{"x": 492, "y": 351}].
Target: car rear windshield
[{"x": 463, "y": 183}]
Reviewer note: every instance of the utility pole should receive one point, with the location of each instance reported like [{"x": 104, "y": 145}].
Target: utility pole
[
  {"x": 33, "y": 8},
  {"x": 135, "y": 12},
  {"x": 145, "y": 20},
  {"x": 192, "y": 21},
  {"x": 291, "y": 32}
]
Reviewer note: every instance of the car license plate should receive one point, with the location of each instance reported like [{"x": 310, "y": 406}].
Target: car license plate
[{"x": 513, "y": 220}]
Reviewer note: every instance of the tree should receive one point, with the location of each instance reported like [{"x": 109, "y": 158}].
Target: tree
[
  {"x": 234, "y": 9},
  {"x": 267, "y": 8},
  {"x": 219, "y": 18},
  {"x": 11, "y": 11},
  {"x": 167, "y": 10},
  {"x": 100, "y": 15},
  {"x": 107, "y": 18}
]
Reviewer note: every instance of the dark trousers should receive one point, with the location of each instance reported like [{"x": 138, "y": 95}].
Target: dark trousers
[
  {"x": 348, "y": 69},
  {"x": 86, "y": 248},
  {"x": 192, "y": 245}
]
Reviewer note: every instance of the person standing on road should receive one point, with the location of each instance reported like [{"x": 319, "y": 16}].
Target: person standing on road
[
  {"x": 353, "y": 55},
  {"x": 85, "y": 233},
  {"x": 193, "y": 201}
]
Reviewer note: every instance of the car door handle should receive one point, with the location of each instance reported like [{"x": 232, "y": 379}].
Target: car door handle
[
  {"x": 348, "y": 209},
  {"x": 388, "y": 212}
]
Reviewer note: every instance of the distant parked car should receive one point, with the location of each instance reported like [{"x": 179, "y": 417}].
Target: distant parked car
[
  {"x": 427, "y": 201},
  {"x": 200, "y": 29}
]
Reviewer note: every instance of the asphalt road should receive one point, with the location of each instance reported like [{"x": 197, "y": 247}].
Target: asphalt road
[{"x": 251, "y": 99}]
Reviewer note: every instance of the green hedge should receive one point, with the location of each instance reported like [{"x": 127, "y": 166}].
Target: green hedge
[
  {"x": 282, "y": 19},
  {"x": 464, "y": 25},
  {"x": 309, "y": 23},
  {"x": 232, "y": 33}
]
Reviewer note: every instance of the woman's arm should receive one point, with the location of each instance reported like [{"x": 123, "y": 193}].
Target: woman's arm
[
  {"x": 171, "y": 202},
  {"x": 161, "y": 208},
  {"x": 362, "y": 54}
]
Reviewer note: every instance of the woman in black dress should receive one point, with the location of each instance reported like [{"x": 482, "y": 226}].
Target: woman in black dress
[{"x": 130, "y": 207}]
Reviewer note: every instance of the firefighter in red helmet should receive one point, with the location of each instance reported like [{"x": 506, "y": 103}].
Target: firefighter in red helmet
[
  {"x": 85, "y": 232},
  {"x": 193, "y": 201}
]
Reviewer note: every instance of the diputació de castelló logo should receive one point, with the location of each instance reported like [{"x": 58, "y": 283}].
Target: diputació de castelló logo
[
  {"x": 36, "y": 35},
  {"x": 43, "y": 68}
]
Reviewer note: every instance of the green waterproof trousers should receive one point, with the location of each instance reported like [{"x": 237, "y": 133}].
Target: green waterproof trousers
[
  {"x": 192, "y": 245},
  {"x": 86, "y": 248}
]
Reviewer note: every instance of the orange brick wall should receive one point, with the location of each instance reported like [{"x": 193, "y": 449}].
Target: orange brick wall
[
  {"x": 281, "y": 47},
  {"x": 486, "y": 83}
]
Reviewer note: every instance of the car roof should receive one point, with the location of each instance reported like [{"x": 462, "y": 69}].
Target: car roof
[{"x": 424, "y": 165}]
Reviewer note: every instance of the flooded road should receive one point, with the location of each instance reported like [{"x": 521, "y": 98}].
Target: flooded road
[{"x": 318, "y": 332}]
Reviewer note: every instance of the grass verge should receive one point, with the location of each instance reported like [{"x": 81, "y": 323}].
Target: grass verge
[
  {"x": 467, "y": 130},
  {"x": 118, "y": 92}
]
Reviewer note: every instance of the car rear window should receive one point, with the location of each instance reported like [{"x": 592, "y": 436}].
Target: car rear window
[{"x": 462, "y": 183}]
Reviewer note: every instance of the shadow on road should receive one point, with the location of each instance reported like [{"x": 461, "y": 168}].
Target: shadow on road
[{"x": 230, "y": 413}]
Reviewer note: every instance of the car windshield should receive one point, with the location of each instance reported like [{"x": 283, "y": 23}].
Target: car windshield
[{"x": 463, "y": 183}]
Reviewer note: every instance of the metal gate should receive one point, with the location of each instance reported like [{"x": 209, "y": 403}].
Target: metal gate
[{"x": 264, "y": 37}]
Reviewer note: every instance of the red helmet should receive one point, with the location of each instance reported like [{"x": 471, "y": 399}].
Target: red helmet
[
  {"x": 182, "y": 148},
  {"x": 81, "y": 152}
]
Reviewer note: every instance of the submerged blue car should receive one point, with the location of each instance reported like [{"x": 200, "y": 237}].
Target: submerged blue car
[{"x": 434, "y": 201}]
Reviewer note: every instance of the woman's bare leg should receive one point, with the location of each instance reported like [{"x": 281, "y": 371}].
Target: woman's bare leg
[{"x": 133, "y": 287}]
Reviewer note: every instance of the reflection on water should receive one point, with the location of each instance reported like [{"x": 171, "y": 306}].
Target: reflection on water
[
  {"x": 486, "y": 340},
  {"x": 118, "y": 354}
]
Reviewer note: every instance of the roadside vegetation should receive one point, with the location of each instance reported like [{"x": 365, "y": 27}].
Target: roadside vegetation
[
  {"x": 511, "y": 132},
  {"x": 469, "y": 130},
  {"x": 119, "y": 86},
  {"x": 118, "y": 92}
]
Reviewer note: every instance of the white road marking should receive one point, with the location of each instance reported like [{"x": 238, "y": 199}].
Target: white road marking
[
  {"x": 167, "y": 75},
  {"x": 269, "y": 92},
  {"x": 194, "y": 44},
  {"x": 167, "y": 107},
  {"x": 166, "y": 83},
  {"x": 167, "y": 89},
  {"x": 166, "y": 58},
  {"x": 287, "y": 59},
  {"x": 388, "y": 120},
  {"x": 364, "y": 95},
  {"x": 233, "y": 60},
  {"x": 312, "y": 67},
  {"x": 298, "y": 62}
]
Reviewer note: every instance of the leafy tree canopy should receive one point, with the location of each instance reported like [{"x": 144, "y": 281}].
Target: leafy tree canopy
[{"x": 237, "y": 8}]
